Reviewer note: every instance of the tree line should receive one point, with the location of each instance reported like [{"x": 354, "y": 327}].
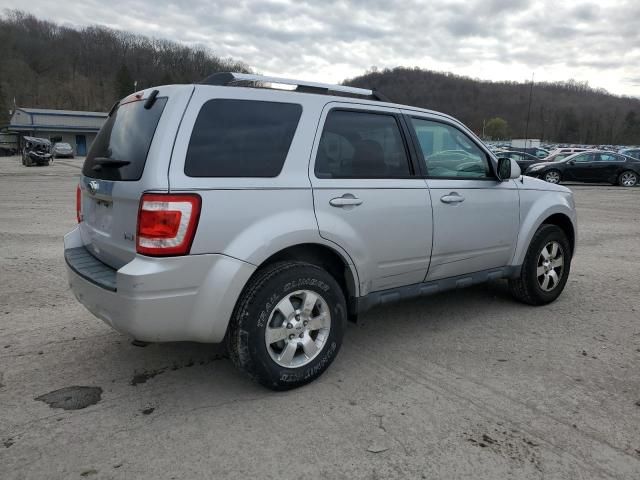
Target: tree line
[
  {"x": 51, "y": 66},
  {"x": 46, "y": 65},
  {"x": 568, "y": 112}
]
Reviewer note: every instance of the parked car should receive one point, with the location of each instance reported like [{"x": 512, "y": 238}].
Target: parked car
[
  {"x": 8, "y": 144},
  {"x": 36, "y": 151},
  {"x": 62, "y": 150},
  {"x": 591, "y": 166},
  {"x": 267, "y": 217},
  {"x": 534, "y": 151},
  {"x": 630, "y": 152},
  {"x": 524, "y": 160},
  {"x": 568, "y": 150},
  {"x": 556, "y": 157}
]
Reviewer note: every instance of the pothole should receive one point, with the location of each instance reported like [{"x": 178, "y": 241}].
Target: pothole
[{"x": 72, "y": 398}]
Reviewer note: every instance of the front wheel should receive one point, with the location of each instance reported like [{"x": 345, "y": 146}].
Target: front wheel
[
  {"x": 545, "y": 269},
  {"x": 628, "y": 179},
  {"x": 552, "y": 176},
  {"x": 288, "y": 325}
]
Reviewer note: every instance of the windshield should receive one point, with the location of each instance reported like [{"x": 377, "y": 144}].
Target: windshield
[{"x": 125, "y": 137}]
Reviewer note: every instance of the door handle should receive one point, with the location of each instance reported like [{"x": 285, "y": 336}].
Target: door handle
[
  {"x": 346, "y": 200},
  {"x": 453, "y": 197}
]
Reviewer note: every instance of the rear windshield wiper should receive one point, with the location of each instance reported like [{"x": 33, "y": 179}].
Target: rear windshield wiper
[{"x": 100, "y": 162}]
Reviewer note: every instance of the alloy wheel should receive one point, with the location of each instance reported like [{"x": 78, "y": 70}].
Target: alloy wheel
[
  {"x": 628, "y": 179},
  {"x": 552, "y": 177},
  {"x": 550, "y": 266},
  {"x": 298, "y": 328}
]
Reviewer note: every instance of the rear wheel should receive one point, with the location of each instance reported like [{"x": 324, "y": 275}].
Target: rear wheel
[
  {"x": 628, "y": 179},
  {"x": 545, "y": 268},
  {"x": 288, "y": 325},
  {"x": 552, "y": 176}
]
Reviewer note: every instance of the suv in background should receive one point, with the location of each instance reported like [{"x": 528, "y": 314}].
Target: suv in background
[
  {"x": 569, "y": 150},
  {"x": 232, "y": 210}
]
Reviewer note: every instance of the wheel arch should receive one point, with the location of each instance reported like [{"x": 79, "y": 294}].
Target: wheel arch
[
  {"x": 564, "y": 222},
  {"x": 333, "y": 261},
  {"x": 625, "y": 169},
  {"x": 550, "y": 209}
]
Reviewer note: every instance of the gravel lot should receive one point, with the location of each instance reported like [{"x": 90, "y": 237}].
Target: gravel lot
[{"x": 467, "y": 384}]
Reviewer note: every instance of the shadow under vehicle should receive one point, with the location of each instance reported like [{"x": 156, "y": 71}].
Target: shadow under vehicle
[{"x": 36, "y": 151}]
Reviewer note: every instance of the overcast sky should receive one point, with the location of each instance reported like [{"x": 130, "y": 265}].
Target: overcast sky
[{"x": 329, "y": 41}]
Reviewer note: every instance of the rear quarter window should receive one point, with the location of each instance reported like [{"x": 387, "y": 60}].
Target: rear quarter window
[{"x": 241, "y": 138}]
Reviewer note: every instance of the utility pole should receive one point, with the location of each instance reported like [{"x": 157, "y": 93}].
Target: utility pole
[{"x": 526, "y": 130}]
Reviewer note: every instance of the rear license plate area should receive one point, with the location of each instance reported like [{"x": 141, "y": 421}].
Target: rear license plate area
[{"x": 99, "y": 215}]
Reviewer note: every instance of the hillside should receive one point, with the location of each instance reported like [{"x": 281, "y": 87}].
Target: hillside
[
  {"x": 49, "y": 66},
  {"x": 561, "y": 112}
]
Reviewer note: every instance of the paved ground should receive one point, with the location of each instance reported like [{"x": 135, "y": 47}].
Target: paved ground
[{"x": 467, "y": 384}]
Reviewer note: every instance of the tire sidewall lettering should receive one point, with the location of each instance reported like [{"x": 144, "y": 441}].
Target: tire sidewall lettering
[{"x": 256, "y": 320}]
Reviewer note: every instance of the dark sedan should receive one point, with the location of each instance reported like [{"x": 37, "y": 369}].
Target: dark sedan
[
  {"x": 524, "y": 160},
  {"x": 593, "y": 166}
]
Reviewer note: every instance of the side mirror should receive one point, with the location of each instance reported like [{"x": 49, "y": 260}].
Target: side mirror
[
  {"x": 508, "y": 169},
  {"x": 572, "y": 162}
]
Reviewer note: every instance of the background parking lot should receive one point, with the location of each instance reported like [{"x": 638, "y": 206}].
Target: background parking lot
[{"x": 465, "y": 384}]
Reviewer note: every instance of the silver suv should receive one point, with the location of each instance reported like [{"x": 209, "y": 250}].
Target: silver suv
[{"x": 266, "y": 212}]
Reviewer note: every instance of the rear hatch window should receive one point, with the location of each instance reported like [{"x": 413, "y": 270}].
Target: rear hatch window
[{"x": 120, "y": 149}]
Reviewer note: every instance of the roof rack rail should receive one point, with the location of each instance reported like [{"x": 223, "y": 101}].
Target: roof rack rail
[{"x": 231, "y": 78}]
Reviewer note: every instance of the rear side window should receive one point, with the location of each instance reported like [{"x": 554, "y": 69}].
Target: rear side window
[
  {"x": 361, "y": 145},
  {"x": 241, "y": 138},
  {"x": 584, "y": 158},
  {"x": 120, "y": 149},
  {"x": 607, "y": 157}
]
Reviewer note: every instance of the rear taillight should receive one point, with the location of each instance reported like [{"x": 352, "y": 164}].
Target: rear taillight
[
  {"x": 79, "y": 204},
  {"x": 167, "y": 223}
]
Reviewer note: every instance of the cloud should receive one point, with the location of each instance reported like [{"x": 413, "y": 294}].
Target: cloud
[{"x": 332, "y": 40}]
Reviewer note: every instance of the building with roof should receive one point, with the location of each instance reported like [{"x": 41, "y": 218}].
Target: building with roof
[{"x": 76, "y": 128}]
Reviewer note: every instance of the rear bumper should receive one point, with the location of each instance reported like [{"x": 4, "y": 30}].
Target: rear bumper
[{"x": 188, "y": 298}]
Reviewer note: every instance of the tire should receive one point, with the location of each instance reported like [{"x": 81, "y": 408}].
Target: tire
[
  {"x": 552, "y": 176},
  {"x": 529, "y": 287},
  {"x": 279, "y": 288},
  {"x": 628, "y": 178}
]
